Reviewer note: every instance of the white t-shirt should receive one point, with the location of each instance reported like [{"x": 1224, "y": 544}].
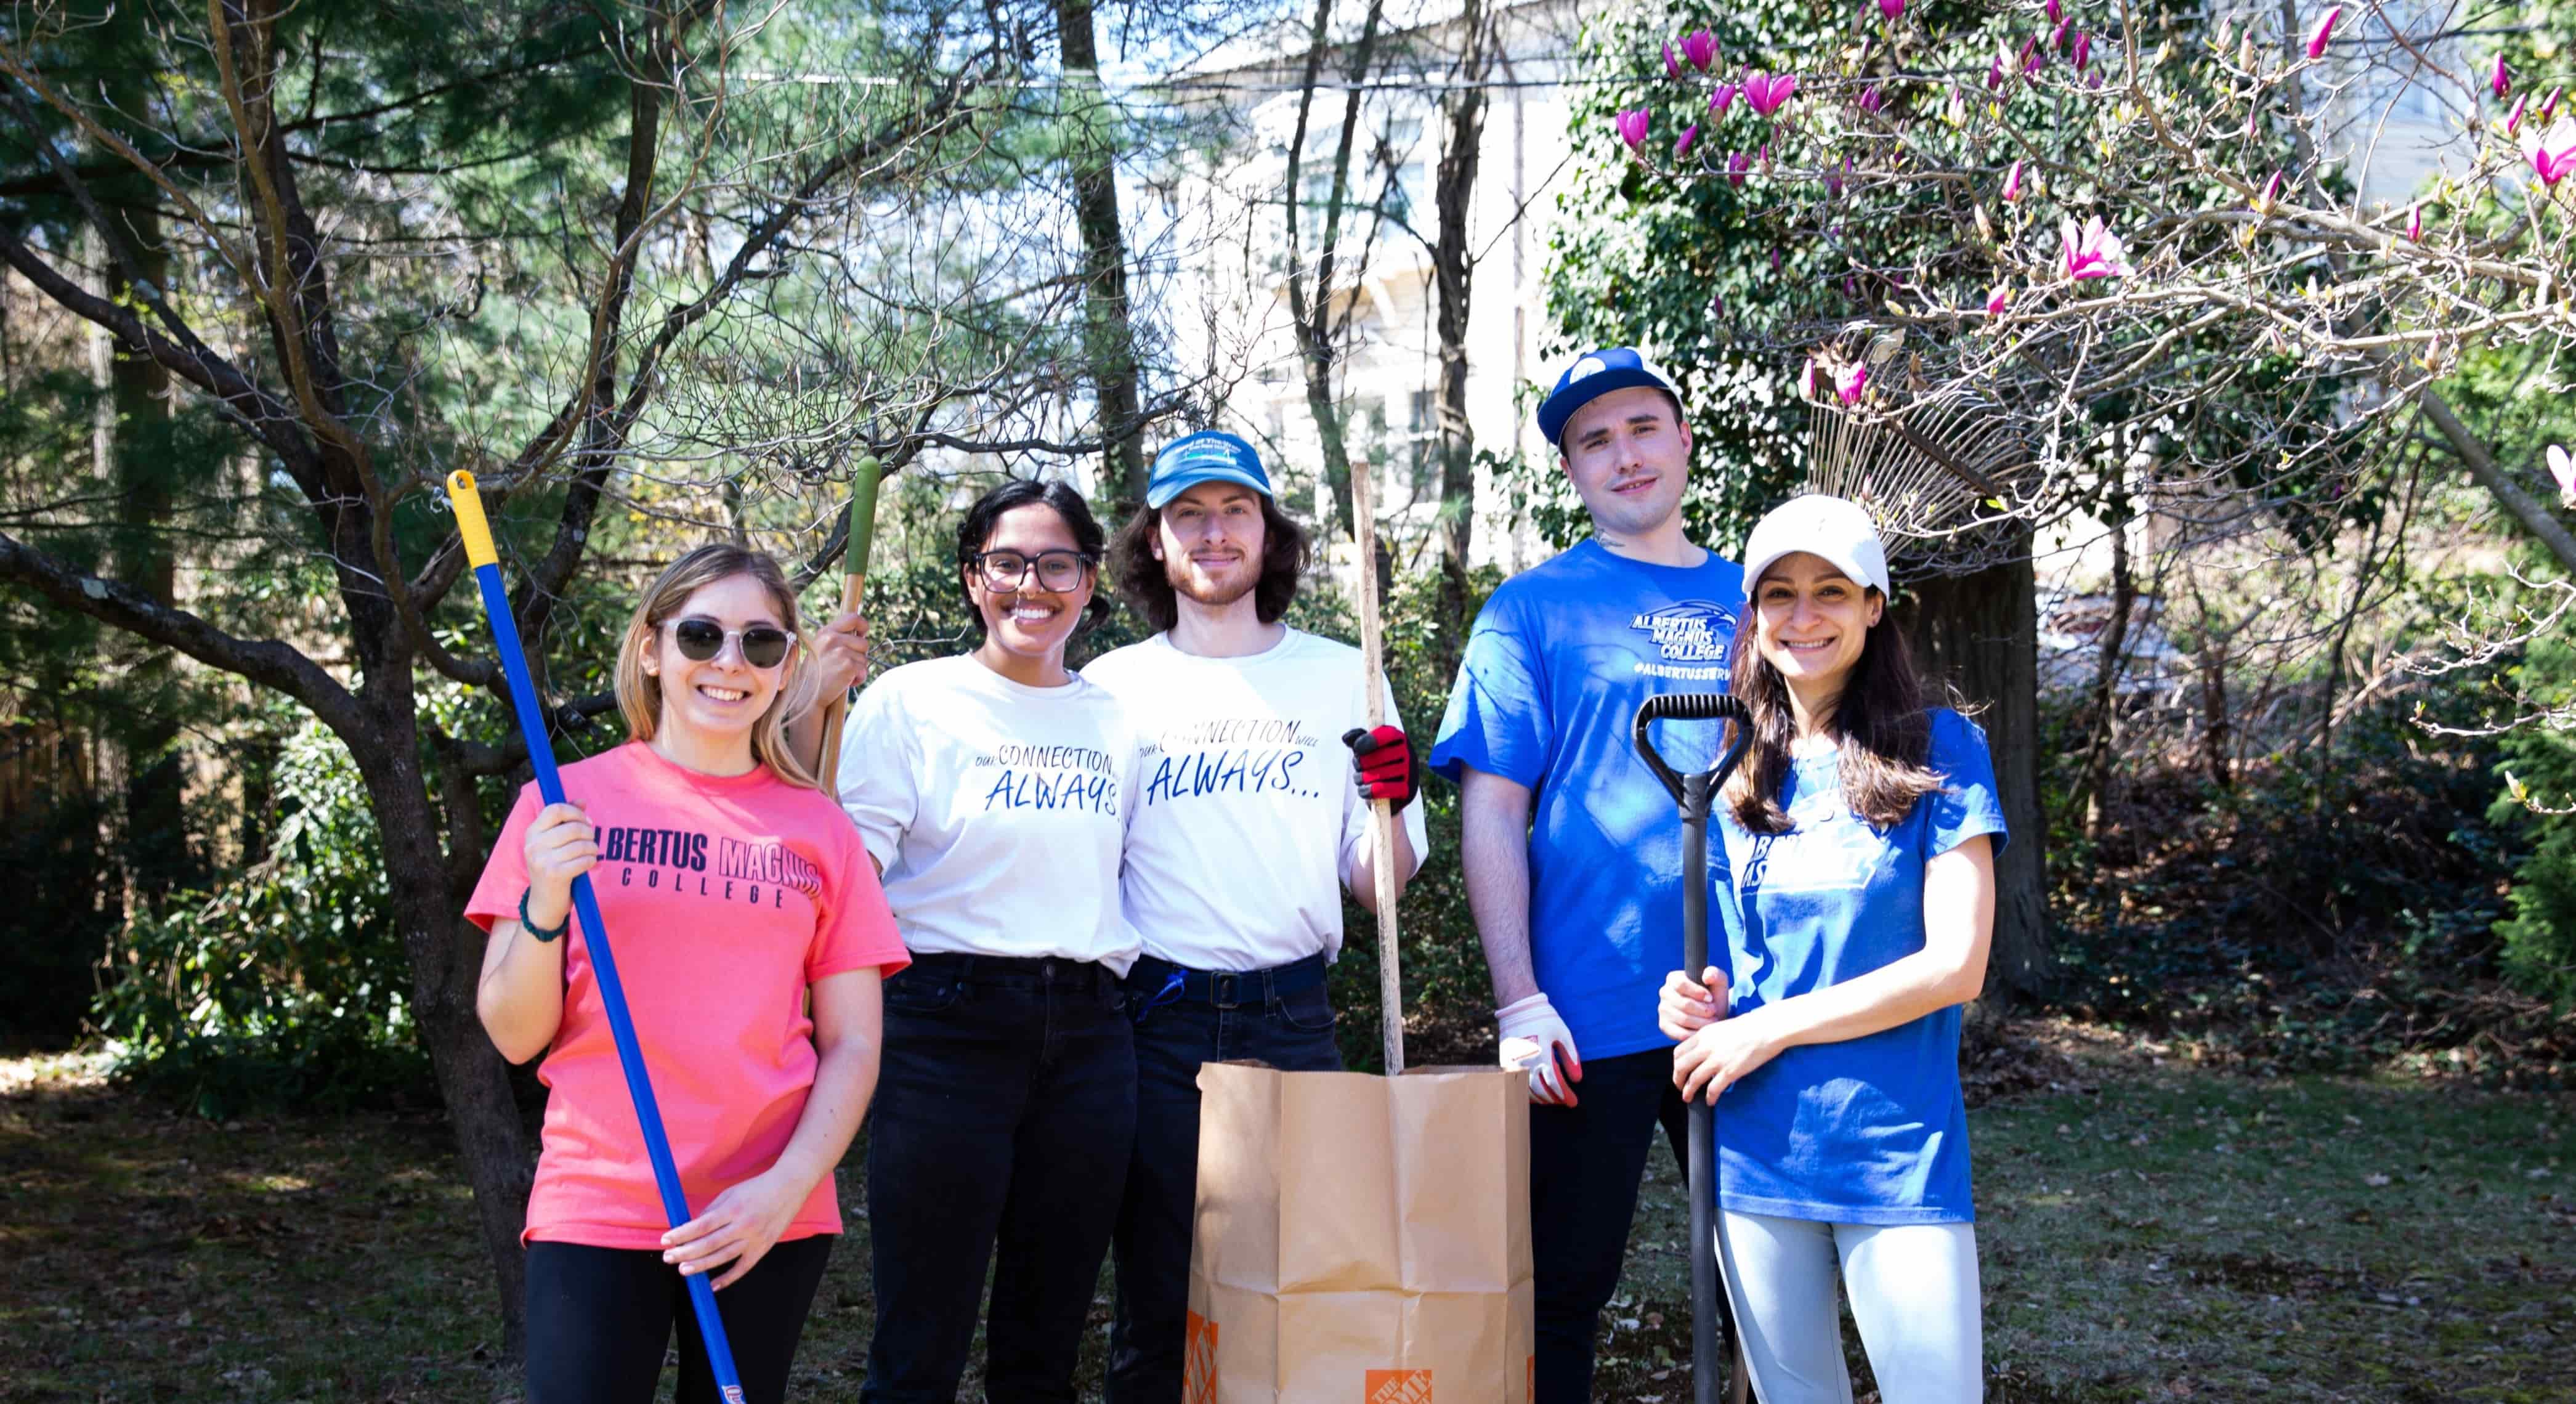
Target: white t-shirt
[
  {"x": 996, "y": 809},
  {"x": 1247, "y": 818}
]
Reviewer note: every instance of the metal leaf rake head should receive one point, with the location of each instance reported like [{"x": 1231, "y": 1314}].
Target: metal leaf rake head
[{"x": 1947, "y": 475}]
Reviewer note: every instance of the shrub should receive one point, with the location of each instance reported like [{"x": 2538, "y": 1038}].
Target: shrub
[{"x": 288, "y": 984}]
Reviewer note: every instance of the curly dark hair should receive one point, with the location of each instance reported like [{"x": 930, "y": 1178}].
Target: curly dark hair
[
  {"x": 986, "y": 513},
  {"x": 1147, "y": 590}
]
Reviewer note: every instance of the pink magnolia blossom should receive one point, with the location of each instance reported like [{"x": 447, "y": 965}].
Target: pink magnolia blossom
[
  {"x": 1700, "y": 47},
  {"x": 2271, "y": 193},
  {"x": 2323, "y": 34},
  {"x": 2553, "y": 153},
  {"x": 2012, "y": 183},
  {"x": 1994, "y": 75},
  {"x": 2501, "y": 79},
  {"x": 1722, "y": 98},
  {"x": 1836, "y": 174},
  {"x": 1632, "y": 124},
  {"x": 2033, "y": 57},
  {"x": 2562, "y": 466},
  {"x": 1671, "y": 69},
  {"x": 1870, "y": 101},
  {"x": 2513, "y": 119},
  {"x": 1769, "y": 92},
  {"x": 2094, "y": 81},
  {"x": 1737, "y": 163},
  {"x": 1681, "y": 148},
  {"x": 2415, "y": 222},
  {"x": 1852, "y": 380},
  {"x": 1892, "y": 10},
  {"x": 1999, "y": 299},
  {"x": 2549, "y": 105},
  {"x": 2092, "y": 252},
  {"x": 2083, "y": 50},
  {"x": 2057, "y": 37},
  {"x": 2054, "y": 10}
]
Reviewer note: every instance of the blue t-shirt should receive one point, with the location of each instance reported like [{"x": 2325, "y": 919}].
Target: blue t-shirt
[
  {"x": 1869, "y": 1130},
  {"x": 1547, "y": 697}
]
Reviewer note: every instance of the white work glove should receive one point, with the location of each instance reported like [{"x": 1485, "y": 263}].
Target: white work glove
[{"x": 1536, "y": 1041}]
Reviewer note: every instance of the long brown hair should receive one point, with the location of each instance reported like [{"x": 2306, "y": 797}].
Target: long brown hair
[
  {"x": 1148, "y": 591},
  {"x": 1880, "y": 718},
  {"x": 639, "y": 693}
]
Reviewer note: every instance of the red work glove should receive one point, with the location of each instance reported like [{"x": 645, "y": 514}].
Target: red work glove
[{"x": 1383, "y": 761}]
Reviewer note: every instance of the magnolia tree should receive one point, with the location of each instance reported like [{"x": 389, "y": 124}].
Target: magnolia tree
[
  {"x": 2130, "y": 236},
  {"x": 2136, "y": 235}
]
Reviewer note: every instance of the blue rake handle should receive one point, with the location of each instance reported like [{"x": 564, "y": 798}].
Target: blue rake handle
[{"x": 479, "y": 552}]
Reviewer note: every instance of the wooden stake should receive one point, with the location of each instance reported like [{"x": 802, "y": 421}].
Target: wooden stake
[
  {"x": 862, "y": 534},
  {"x": 1390, "y": 975}
]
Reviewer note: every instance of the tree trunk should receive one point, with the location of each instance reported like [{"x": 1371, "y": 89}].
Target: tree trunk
[
  {"x": 1452, "y": 270},
  {"x": 446, "y": 961},
  {"x": 1112, "y": 345},
  {"x": 2213, "y": 716},
  {"x": 2114, "y": 643},
  {"x": 157, "y": 859},
  {"x": 1980, "y": 634}
]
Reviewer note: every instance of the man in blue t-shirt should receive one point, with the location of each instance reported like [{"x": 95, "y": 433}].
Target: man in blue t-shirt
[{"x": 1572, "y": 850}]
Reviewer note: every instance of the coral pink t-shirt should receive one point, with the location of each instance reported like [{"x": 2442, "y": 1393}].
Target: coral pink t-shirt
[{"x": 724, "y": 898}]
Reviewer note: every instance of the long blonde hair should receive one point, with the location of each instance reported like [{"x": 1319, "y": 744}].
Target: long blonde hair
[{"x": 639, "y": 694}]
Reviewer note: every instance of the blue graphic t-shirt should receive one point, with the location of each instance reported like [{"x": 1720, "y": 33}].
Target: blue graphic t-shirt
[
  {"x": 1547, "y": 697},
  {"x": 1869, "y": 1130}
]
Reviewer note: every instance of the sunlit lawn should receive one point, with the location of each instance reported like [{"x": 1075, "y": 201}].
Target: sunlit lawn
[{"x": 2154, "y": 1233}]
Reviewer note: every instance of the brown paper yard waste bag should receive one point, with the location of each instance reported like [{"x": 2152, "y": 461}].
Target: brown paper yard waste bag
[{"x": 1361, "y": 1239}]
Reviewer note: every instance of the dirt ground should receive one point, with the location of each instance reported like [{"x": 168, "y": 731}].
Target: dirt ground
[{"x": 2148, "y": 1230}]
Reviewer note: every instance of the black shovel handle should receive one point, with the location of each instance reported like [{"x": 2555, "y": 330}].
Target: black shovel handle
[
  {"x": 1691, "y": 706},
  {"x": 1712, "y": 1330}
]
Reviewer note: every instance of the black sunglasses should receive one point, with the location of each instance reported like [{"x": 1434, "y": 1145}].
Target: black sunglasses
[{"x": 763, "y": 645}]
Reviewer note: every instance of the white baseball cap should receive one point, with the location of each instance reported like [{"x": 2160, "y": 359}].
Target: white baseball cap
[{"x": 1835, "y": 528}]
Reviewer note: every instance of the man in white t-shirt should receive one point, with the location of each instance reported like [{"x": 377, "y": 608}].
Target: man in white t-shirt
[{"x": 1248, "y": 821}]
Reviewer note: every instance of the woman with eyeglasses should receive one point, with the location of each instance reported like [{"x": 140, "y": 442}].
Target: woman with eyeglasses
[
  {"x": 992, "y": 790},
  {"x": 751, "y": 937}
]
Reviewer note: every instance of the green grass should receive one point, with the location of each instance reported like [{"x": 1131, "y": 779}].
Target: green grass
[{"x": 2166, "y": 1232}]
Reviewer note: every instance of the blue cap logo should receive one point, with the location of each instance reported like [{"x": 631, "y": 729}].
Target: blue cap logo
[{"x": 1208, "y": 456}]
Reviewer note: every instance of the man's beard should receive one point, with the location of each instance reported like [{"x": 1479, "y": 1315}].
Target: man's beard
[{"x": 1215, "y": 595}]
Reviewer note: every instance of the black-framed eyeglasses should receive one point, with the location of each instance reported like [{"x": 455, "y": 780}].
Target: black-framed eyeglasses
[
  {"x": 1058, "y": 569},
  {"x": 763, "y": 645}
]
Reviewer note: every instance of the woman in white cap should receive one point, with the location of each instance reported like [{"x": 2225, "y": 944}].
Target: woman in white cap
[{"x": 1857, "y": 889}]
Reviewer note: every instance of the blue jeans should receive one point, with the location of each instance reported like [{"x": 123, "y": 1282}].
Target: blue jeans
[
  {"x": 1246, "y": 1017},
  {"x": 1005, "y": 1116},
  {"x": 1585, "y": 1162}
]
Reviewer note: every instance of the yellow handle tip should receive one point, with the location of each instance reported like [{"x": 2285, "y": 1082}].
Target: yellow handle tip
[{"x": 471, "y": 527}]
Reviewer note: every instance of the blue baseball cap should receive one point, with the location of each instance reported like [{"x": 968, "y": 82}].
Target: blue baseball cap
[
  {"x": 1596, "y": 375},
  {"x": 1208, "y": 456}
]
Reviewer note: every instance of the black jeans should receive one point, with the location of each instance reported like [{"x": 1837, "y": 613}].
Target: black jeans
[
  {"x": 599, "y": 1319},
  {"x": 1005, "y": 1114},
  {"x": 1585, "y": 1161},
  {"x": 1249, "y": 1016}
]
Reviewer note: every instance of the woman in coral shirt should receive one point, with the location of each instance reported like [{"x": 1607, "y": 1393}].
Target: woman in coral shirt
[{"x": 735, "y": 890}]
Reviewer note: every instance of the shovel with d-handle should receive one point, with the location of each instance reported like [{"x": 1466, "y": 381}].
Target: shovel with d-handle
[
  {"x": 479, "y": 553},
  {"x": 1696, "y": 794}
]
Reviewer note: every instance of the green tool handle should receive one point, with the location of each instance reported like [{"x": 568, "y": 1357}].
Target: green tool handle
[{"x": 862, "y": 535}]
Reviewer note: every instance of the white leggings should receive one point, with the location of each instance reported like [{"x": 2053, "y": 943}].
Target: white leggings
[{"x": 1914, "y": 1295}]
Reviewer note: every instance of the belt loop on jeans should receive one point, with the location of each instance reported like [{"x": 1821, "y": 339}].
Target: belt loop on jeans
[{"x": 1223, "y": 989}]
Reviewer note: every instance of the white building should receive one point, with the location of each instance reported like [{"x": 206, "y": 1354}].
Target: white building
[{"x": 1229, "y": 304}]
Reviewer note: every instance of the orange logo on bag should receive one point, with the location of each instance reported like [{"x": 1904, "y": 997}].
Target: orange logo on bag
[
  {"x": 1198, "y": 1360},
  {"x": 1397, "y": 1387}
]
